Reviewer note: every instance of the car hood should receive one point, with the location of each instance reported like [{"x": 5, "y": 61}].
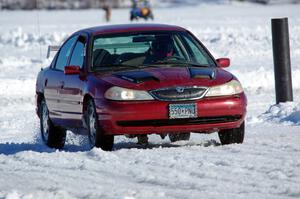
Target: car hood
[{"x": 154, "y": 78}]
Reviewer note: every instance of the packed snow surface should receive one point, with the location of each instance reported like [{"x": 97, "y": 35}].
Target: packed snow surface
[{"x": 266, "y": 166}]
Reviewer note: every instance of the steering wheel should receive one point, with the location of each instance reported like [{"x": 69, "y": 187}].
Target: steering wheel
[{"x": 119, "y": 60}]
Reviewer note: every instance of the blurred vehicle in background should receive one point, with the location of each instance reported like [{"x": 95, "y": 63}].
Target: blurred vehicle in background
[{"x": 141, "y": 9}]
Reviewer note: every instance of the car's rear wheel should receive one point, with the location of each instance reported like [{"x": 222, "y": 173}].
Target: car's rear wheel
[
  {"x": 174, "y": 137},
  {"x": 97, "y": 138},
  {"x": 231, "y": 136},
  {"x": 52, "y": 136}
]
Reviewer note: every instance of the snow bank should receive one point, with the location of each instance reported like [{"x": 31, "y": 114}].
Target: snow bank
[
  {"x": 286, "y": 113},
  {"x": 262, "y": 79},
  {"x": 19, "y": 38}
]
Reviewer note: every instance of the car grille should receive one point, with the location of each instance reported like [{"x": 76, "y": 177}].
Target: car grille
[
  {"x": 179, "y": 93},
  {"x": 176, "y": 122}
]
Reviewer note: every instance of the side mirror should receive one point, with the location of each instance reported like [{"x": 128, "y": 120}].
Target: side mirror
[
  {"x": 72, "y": 70},
  {"x": 223, "y": 62}
]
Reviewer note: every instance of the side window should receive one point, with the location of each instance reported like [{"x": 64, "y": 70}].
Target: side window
[
  {"x": 77, "y": 57},
  {"x": 64, "y": 54}
]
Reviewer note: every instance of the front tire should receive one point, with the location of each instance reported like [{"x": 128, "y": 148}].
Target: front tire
[
  {"x": 53, "y": 136},
  {"x": 97, "y": 138},
  {"x": 174, "y": 137},
  {"x": 231, "y": 136}
]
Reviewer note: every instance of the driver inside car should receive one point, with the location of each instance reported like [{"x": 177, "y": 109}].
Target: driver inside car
[{"x": 161, "y": 49}]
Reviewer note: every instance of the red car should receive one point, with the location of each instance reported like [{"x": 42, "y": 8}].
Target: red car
[{"x": 135, "y": 80}]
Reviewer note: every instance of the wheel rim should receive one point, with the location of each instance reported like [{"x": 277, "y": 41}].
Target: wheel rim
[
  {"x": 45, "y": 122},
  {"x": 92, "y": 125}
]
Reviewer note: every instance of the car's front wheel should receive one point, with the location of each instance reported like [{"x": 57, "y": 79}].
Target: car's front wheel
[
  {"x": 231, "y": 136},
  {"x": 52, "y": 136},
  {"x": 97, "y": 138},
  {"x": 174, "y": 137}
]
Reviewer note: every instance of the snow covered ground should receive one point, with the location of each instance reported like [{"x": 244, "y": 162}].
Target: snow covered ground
[{"x": 266, "y": 166}]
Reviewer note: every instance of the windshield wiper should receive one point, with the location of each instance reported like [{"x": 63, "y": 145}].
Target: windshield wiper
[
  {"x": 117, "y": 67},
  {"x": 172, "y": 62},
  {"x": 158, "y": 64}
]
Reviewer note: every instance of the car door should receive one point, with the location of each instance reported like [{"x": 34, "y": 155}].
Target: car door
[
  {"x": 54, "y": 77},
  {"x": 70, "y": 93}
]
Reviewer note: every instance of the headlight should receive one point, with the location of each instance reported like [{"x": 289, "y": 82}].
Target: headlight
[
  {"x": 231, "y": 88},
  {"x": 124, "y": 94}
]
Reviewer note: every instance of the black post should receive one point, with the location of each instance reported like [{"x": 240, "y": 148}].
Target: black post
[{"x": 282, "y": 62}]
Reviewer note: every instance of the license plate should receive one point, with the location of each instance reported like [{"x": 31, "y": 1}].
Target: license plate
[{"x": 182, "y": 111}]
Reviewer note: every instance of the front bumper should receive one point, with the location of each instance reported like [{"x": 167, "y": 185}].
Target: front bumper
[{"x": 147, "y": 117}]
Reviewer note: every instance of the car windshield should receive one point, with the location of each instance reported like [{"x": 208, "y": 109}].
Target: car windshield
[{"x": 144, "y": 49}]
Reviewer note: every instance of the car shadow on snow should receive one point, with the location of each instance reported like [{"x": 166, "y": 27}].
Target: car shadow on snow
[
  {"x": 151, "y": 145},
  {"x": 132, "y": 145},
  {"x": 13, "y": 148}
]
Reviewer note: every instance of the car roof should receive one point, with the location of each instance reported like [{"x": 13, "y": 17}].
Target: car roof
[{"x": 123, "y": 28}]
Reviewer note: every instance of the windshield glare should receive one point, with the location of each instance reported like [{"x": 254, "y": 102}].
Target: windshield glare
[{"x": 158, "y": 48}]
